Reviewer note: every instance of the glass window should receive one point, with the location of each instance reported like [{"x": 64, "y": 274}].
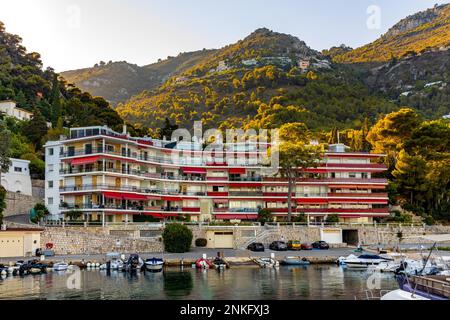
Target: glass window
[
  {"x": 50, "y": 184},
  {"x": 50, "y": 201},
  {"x": 17, "y": 169},
  {"x": 50, "y": 151}
]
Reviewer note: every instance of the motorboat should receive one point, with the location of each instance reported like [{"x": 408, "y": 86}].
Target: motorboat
[
  {"x": 203, "y": 263},
  {"x": 416, "y": 267},
  {"x": 60, "y": 266},
  {"x": 362, "y": 261},
  {"x": 114, "y": 262},
  {"x": 267, "y": 262},
  {"x": 400, "y": 294},
  {"x": 133, "y": 264},
  {"x": 220, "y": 263},
  {"x": 385, "y": 266},
  {"x": 154, "y": 265},
  {"x": 295, "y": 261},
  {"x": 429, "y": 287}
]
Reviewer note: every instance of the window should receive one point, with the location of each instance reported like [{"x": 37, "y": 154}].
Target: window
[
  {"x": 50, "y": 201},
  {"x": 50, "y": 151},
  {"x": 50, "y": 184},
  {"x": 17, "y": 169},
  {"x": 51, "y": 168}
]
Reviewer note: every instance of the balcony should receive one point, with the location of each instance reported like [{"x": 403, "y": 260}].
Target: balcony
[
  {"x": 246, "y": 193},
  {"x": 359, "y": 195}
]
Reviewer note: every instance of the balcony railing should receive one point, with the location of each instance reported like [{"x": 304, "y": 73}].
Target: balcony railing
[
  {"x": 246, "y": 193},
  {"x": 100, "y": 187}
]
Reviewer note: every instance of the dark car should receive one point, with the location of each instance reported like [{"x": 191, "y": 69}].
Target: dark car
[
  {"x": 307, "y": 246},
  {"x": 322, "y": 245},
  {"x": 256, "y": 247},
  {"x": 278, "y": 246}
]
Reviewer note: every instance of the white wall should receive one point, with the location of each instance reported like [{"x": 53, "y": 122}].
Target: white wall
[
  {"x": 18, "y": 178},
  {"x": 10, "y": 109},
  {"x": 52, "y": 166}
]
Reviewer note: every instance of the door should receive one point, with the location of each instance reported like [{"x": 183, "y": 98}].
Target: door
[
  {"x": 11, "y": 246},
  {"x": 223, "y": 240},
  {"x": 332, "y": 236}
]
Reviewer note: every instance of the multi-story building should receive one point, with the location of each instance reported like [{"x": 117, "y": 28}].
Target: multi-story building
[
  {"x": 18, "y": 178},
  {"x": 53, "y": 153},
  {"x": 113, "y": 177}
]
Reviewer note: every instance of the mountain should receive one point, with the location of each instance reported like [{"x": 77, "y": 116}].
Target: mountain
[
  {"x": 264, "y": 80},
  {"x": 421, "y": 32},
  {"x": 119, "y": 81}
]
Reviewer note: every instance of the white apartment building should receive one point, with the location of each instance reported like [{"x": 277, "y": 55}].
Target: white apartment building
[
  {"x": 18, "y": 178},
  {"x": 52, "y": 167},
  {"x": 10, "y": 108}
]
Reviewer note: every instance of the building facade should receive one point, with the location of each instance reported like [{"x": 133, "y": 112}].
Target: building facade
[
  {"x": 113, "y": 177},
  {"x": 53, "y": 152},
  {"x": 18, "y": 178},
  {"x": 11, "y": 110}
]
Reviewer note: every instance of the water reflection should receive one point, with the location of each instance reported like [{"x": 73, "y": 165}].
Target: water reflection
[{"x": 313, "y": 282}]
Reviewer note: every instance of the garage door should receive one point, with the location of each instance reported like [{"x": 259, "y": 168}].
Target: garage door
[
  {"x": 11, "y": 246},
  {"x": 333, "y": 236},
  {"x": 223, "y": 240}
]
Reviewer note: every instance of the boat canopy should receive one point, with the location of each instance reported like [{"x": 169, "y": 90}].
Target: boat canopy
[{"x": 113, "y": 255}]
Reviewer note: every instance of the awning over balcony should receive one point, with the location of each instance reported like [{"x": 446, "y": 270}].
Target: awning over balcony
[
  {"x": 167, "y": 198},
  {"x": 236, "y": 216},
  {"x": 154, "y": 215},
  {"x": 237, "y": 170},
  {"x": 125, "y": 196},
  {"x": 192, "y": 170},
  {"x": 85, "y": 160},
  {"x": 247, "y": 185}
]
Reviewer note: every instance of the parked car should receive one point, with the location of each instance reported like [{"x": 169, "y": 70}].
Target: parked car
[
  {"x": 322, "y": 245},
  {"x": 294, "y": 245},
  {"x": 278, "y": 246},
  {"x": 256, "y": 247},
  {"x": 307, "y": 246}
]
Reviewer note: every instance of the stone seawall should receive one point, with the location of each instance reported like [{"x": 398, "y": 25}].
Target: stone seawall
[
  {"x": 70, "y": 241},
  {"x": 147, "y": 239}
]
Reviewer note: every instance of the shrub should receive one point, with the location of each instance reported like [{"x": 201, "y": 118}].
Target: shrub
[
  {"x": 264, "y": 215},
  {"x": 74, "y": 214},
  {"x": 2, "y": 202},
  {"x": 429, "y": 221},
  {"x": 333, "y": 218},
  {"x": 201, "y": 243},
  {"x": 177, "y": 238}
]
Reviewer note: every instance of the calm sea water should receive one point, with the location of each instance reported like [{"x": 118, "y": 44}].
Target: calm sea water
[{"x": 247, "y": 283}]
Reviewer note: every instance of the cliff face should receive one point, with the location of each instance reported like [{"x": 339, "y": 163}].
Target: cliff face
[{"x": 414, "y": 21}]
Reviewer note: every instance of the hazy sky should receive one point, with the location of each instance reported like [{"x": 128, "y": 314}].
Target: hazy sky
[{"x": 72, "y": 34}]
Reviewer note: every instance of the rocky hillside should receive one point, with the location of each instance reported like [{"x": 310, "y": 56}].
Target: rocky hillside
[
  {"x": 119, "y": 81},
  {"x": 422, "y": 32},
  {"x": 264, "y": 80}
]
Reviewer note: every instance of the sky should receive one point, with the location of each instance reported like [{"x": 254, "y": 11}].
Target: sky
[{"x": 72, "y": 34}]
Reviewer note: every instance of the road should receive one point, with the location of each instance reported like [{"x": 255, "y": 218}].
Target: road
[{"x": 197, "y": 253}]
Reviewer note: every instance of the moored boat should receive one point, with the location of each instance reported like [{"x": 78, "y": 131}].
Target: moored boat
[
  {"x": 154, "y": 265},
  {"x": 203, "y": 263},
  {"x": 266, "y": 262},
  {"x": 114, "y": 262},
  {"x": 60, "y": 266},
  {"x": 295, "y": 261},
  {"x": 362, "y": 261}
]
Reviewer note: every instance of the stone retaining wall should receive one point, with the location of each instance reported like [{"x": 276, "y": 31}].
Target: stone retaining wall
[
  {"x": 17, "y": 203},
  {"x": 146, "y": 239}
]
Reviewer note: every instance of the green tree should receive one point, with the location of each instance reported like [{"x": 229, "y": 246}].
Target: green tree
[
  {"x": 5, "y": 151},
  {"x": 168, "y": 129},
  {"x": 177, "y": 238},
  {"x": 296, "y": 155},
  {"x": 2, "y": 203},
  {"x": 35, "y": 129},
  {"x": 265, "y": 215}
]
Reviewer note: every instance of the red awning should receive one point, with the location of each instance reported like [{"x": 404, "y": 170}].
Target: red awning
[
  {"x": 153, "y": 198},
  {"x": 86, "y": 160},
  {"x": 237, "y": 170},
  {"x": 125, "y": 196},
  {"x": 170, "y": 215},
  {"x": 248, "y": 185},
  {"x": 154, "y": 215},
  {"x": 192, "y": 170},
  {"x": 166, "y": 198},
  {"x": 236, "y": 216}
]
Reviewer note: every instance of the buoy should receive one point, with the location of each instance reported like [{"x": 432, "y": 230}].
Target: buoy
[
  {"x": 3, "y": 273},
  {"x": 97, "y": 265},
  {"x": 88, "y": 265}
]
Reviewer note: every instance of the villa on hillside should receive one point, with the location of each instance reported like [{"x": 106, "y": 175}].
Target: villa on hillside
[
  {"x": 10, "y": 108},
  {"x": 113, "y": 177}
]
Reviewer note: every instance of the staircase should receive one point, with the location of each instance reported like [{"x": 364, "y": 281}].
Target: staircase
[{"x": 261, "y": 237}]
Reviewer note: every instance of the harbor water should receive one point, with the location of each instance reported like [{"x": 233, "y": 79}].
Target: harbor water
[{"x": 317, "y": 282}]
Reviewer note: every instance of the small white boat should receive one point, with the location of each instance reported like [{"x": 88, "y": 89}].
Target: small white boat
[
  {"x": 402, "y": 295},
  {"x": 267, "y": 262},
  {"x": 154, "y": 265},
  {"x": 361, "y": 262},
  {"x": 385, "y": 266},
  {"x": 115, "y": 262},
  {"x": 60, "y": 266}
]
